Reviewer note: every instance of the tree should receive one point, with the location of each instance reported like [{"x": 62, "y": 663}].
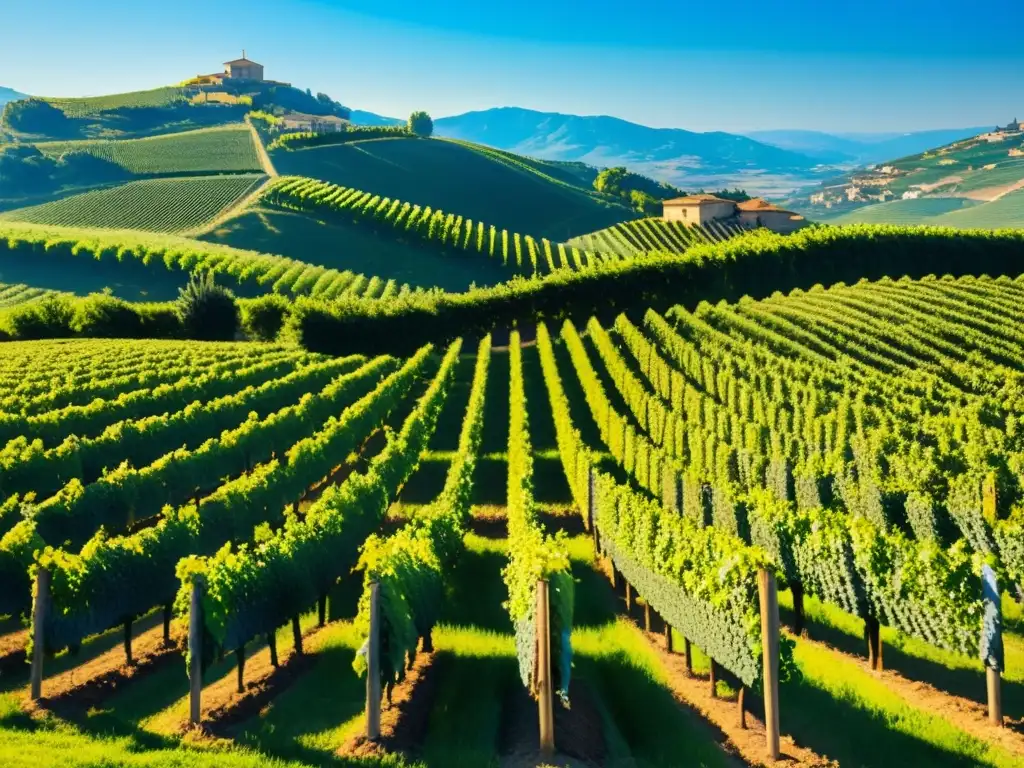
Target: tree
[
  {"x": 421, "y": 124},
  {"x": 208, "y": 311}
]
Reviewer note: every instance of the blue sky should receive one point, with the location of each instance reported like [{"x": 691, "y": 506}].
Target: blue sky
[{"x": 846, "y": 65}]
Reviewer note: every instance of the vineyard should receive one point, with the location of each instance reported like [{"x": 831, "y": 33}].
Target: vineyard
[
  {"x": 809, "y": 508},
  {"x": 227, "y": 149},
  {"x": 169, "y": 255},
  {"x": 645, "y": 235},
  {"x": 518, "y": 194},
  {"x": 18, "y": 294},
  {"x": 91, "y": 105},
  {"x": 154, "y": 205},
  {"x": 521, "y": 253}
]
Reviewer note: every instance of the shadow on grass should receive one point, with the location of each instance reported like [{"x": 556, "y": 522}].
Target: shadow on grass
[
  {"x": 467, "y": 714},
  {"x": 496, "y": 411},
  {"x": 477, "y": 592},
  {"x": 490, "y": 481},
  {"x": 833, "y": 725},
  {"x": 642, "y": 718},
  {"x": 966, "y": 683}
]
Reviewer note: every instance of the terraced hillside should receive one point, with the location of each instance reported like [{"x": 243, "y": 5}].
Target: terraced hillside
[
  {"x": 152, "y": 267},
  {"x": 477, "y": 183},
  {"x": 93, "y": 105},
  {"x": 644, "y": 235},
  {"x": 167, "y": 205},
  {"x": 854, "y": 447},
  {"x": 210, "y": 150},
  {"x": 398, "y": 232}
]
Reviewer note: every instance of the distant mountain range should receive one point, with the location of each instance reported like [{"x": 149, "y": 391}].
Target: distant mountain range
[
  {"x": 9, "y": 94},
  {"x": 862, "y": 148}
]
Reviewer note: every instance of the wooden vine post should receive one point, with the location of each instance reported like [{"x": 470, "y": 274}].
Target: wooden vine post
[
  {"x": 991, "y": 646},
  {"x": 373, "y": 666},
  {"x": 195, "y": 653},
  {"x": 592, "y": 509},
  {"x": 668, "y": 637},
  {"x": 39, "y": 614},
  {"x": 544, "y": 693},
  {"x": 770, "y": 648}
]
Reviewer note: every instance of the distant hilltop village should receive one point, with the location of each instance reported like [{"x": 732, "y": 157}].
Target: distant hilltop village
[
  {"x": 936, "y": 173},
  {"x": 243, "y": 82}
]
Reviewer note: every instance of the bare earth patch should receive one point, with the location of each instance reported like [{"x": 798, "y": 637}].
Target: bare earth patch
[
  {"x": 988, "y": 194},
  {"x": 403, "y": 722}
]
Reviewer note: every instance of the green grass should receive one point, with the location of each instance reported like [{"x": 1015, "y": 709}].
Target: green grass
[
  {"x": 208, "y": 150},
  {"x": 462, "y": 179},
  {"x": 916, "y": 660},
  {"x": 153, "y": 205},
  {"x": 340, "y": 244},
  {"x": 1007, "y": 211},
  {"x": 921, "y": 211}
]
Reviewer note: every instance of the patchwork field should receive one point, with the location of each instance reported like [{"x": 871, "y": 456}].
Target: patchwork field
[
  {"x": 154, "y": 205},
  {"x": 209, "y": 150}
]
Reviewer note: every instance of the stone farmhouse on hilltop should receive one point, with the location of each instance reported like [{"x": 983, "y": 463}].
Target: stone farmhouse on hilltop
[
  {"x": 238, "y": 69},
  {"x": 697, "y": 210}
]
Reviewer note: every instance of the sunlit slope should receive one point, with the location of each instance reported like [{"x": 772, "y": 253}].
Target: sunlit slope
[{"x": 473, "y": 181}]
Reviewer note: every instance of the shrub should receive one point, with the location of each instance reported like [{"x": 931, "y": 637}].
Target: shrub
[
  {"x": 421, "y": 124},
  {"x": 105, "y": 316},
  {"x": 208, "y": 311},
  {"x": 49, "y": 318},
  {"x": 264, "y": 317}
]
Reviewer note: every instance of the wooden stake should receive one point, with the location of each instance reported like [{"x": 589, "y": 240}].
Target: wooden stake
[
  {"x": 688, "y": 656},
  {"x": 668, "y": 637},
  {"x": 712, "y": 678},
  {"x": 195, "y": 653},
  {"x": 272, "y": 644},
  {"x": 873, "y": 634},
  {"x": 614, "y": 577},
  {"x": 240, "y": 658},
  {"x": 297, "y": 634},
  {"x": 995, "y": 701},
  {"x": 544, "y": 694},
  {"x": 322, "y": 610},
  {"x": 647, "y": 617},
  {"x": 168, "y": 613},
  {"x": 770, "y": 645},
  {"x": 39, "y": 613},
  {"x": 740, "y": 706},
  {"x": 373, "y": 667},
  {"x": 629, "y": 597},
  {"x": 428, "y": 642},
  {"x": 128, "y": 642}
]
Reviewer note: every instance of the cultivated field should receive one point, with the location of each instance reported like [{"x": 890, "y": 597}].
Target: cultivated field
[
  {"x": 154, "y": 205},
  {"x": 697, "y": 450},
  {"x": 92, "y": 105},
  {"x": 518, "y": 196},
  {"x": 208, "y": 150},
  {"x": 645, "y": 235}
]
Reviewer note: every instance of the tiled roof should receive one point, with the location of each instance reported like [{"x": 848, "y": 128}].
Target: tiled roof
[{"x": 695, "y": 200}]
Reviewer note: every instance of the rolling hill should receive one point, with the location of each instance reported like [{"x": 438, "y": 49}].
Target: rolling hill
[
  {"x": 684, "y": 158},
  {"x": 154, "y": 205},
  {"x": 224, "y": 149},
  {"x": 947, "y": 180},
  {"x": 545, "y": 200},
  {"x": 860, "y": 148}
]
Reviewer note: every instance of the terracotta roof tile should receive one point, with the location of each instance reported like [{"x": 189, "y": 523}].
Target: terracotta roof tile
[{"x": 695, "y": 200}]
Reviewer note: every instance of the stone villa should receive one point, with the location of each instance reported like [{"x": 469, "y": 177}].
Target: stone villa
[{"x": 697, "y": 210}]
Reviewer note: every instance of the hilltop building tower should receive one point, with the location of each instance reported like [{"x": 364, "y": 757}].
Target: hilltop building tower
[{"x": 243, "y": 69}]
